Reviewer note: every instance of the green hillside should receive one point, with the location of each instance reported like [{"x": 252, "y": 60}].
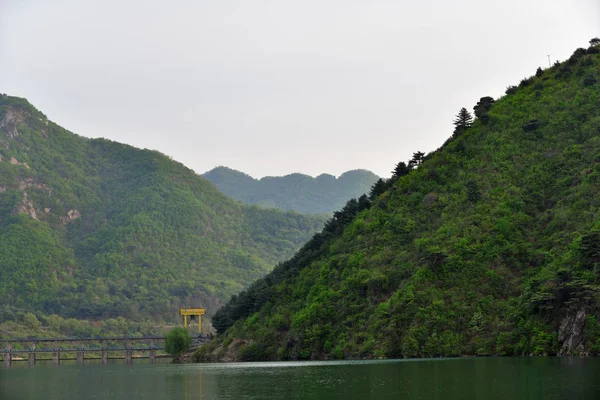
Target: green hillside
[
  {"x": 299, "y": 192},
  {"x": 96, "y": 229},
  {"x": 490, "y": 246}
]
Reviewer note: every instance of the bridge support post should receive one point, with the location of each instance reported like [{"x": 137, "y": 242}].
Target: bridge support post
[
  {"x": 56, "y": 356},
  {"x": 7, "y": 356},
  {"x": 31, "y": 359},
  {"x": 152, "y": 354},
  {"x": 128, "y": 352},
  {"x": 31, "y": 356},
  {"x": 104, "y": 354},
  {"x": 80, "y": 356},
  {"x": 128, "y": 356}
]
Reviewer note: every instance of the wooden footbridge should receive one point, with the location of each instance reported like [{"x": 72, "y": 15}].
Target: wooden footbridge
[{"x": 104, "y": 347}]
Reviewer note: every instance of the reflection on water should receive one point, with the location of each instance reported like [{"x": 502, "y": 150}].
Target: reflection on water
[{"x": 489, "y": 378}]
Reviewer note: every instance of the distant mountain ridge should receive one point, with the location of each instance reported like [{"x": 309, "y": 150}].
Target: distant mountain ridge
[{"x": 298, "y": 192}]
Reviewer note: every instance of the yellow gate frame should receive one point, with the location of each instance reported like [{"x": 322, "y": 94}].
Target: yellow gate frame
[{"x": 192, "y": 311}]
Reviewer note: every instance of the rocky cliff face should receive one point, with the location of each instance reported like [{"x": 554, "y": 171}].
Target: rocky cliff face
[{"x": 571, "y": 334}]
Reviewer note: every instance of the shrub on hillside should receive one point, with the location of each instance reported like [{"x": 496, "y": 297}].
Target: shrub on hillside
[
  {"x": 511, "y": 90},
  {"x": 532, "y": 125},
  {"x": 525, "y": 82},
  {"x": 482, "y": 108},
  {"x": 577, "y": 54},
  {"x": 589, "y": 80},
  {"x": 539, "y": 72}
]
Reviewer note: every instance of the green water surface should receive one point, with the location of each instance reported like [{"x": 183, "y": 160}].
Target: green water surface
[{"x": 475, "y": 378}]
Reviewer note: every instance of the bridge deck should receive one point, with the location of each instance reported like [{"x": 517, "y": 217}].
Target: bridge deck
[
  {"x": 82, "y": 349},
  {"x": 93, "y": 339}
]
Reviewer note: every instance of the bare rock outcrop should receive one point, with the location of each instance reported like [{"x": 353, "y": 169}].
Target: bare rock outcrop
[
  {"x": 214, "y": 352},
  {"x": 570, "y": 333},
  {"x": 9, "y": 123},
  {"x": 11, "y": 117},
  {"x": 29, "y": 183},
  {"x": 71, "y": 216},
  {"x": 27, "y": 207},
  {"x": 14, "y": 161}
]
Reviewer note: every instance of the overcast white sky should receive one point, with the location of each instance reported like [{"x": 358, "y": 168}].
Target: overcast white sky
[{"x": 274, "y": 87}]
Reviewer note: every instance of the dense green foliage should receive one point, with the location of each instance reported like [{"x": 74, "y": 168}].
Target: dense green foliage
[
  {"x": 490, "y": 246},
  {"x": 302, "y": 193},
  {"x": 96, "y": 229},
  {"x": 177, "y": 341}
]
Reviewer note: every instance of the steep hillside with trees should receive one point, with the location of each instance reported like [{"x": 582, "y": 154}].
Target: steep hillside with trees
[
  {"x": 489, "y": 245},
  {"x": 299, "y": 192},
  {"x": 96, "y": 229}
]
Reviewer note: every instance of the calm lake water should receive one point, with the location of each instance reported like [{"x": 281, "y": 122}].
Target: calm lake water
[{"x": 477, "y": 378}]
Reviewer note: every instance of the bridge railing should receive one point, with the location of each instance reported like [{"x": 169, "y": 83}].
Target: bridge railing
[
  {"x": 88, "y": 339},
  {"x": 86, "y": 349}
]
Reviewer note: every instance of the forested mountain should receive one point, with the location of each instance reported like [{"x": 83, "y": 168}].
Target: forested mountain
[
  {"x": 299, "y": 192},
  {"x": 97, "y": 229},
  {"x": 488, "y": 245}
]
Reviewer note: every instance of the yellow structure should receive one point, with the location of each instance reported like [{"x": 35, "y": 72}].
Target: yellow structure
[{"x": 199, "y": 312}]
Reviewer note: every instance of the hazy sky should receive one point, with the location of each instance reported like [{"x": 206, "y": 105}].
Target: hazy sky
[{"x": 274, "y": 87}]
